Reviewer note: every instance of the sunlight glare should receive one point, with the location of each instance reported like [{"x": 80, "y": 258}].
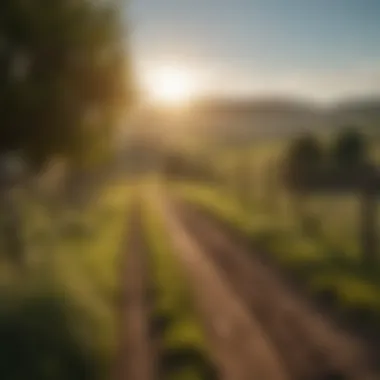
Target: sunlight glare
[{"x": 171, "y": 86}]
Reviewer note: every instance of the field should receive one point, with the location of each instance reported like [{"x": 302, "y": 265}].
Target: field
[
  {"x": 181, "y": 278},
  {"x": 189, "y": 190},
  {"x": 57, "y": 315},
  {"x": 326, "y": 256}
]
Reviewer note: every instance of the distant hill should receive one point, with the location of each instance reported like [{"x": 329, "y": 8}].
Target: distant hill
[
  {"x": 236, "y": 120},
  {"x": 363, "y": 112},
  {"x": 239, "y": 121},
  {"x": 247, "y": 119}
]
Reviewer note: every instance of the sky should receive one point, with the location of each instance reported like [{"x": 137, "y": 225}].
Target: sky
[{"x": 321, "y": 49}]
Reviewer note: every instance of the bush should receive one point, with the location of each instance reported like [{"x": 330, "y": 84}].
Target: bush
[{"x": 41, "y": 338}]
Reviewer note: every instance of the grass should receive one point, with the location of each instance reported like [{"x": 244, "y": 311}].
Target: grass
[
  {"x": 327, "y": 262},
  {"x": 184, "y": 353},
  {"x": 57, "y": 318}
]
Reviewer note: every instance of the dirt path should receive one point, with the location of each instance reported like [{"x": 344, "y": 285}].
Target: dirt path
[
  {"x": 237, "y": 343},
  {"x": 136, "y": 358},
  {"x": 257, "y": 327}
]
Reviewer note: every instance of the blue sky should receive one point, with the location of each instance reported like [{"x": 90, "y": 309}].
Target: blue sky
[{"x": 322, "y": 49}]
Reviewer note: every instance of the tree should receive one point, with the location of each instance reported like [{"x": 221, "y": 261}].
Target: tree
[
  {"x": 349, "y": 150},
  {"x": 63, "y": 76},
  {"x": 303, "y": 168},
  {"x": 64, "y": 83},
  {"x": 303, "y": 161},
  {"x": 348, "y": 172}
]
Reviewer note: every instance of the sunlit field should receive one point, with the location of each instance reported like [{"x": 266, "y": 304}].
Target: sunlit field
[
  {"x": 327, "y": 259},
  {"x": 189, "y": 190},
  {"x": 64, "y": 301}
]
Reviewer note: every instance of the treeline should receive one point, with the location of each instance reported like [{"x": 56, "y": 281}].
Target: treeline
[
  {"x": 309, "y": 164},
  {"x": 344, "y": 169},
  {"x": 309, "y": 167}
]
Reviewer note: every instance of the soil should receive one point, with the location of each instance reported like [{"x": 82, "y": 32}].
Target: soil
[{"x": 137, "y": 356}]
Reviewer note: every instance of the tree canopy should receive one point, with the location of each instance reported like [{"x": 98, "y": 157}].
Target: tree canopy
[
  {"x": 350, "y": 149},
  {"x": 303, "y": 160},
  {"x": 64, "y": 76}
]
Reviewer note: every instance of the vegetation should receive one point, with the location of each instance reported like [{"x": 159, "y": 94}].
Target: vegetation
[
  {"x": 347, "y": 170},
  {"x": 327, "y": 254},
  {"x": 65, "y": 84},
  {"x": 350, "y": 149},
  {"x": 63, "y": 74},
  {"x": 183, "y": 165},
  {"x": 57, "y": 318},
  {"x": 183, "y": 354},
  {"x": 304, "y": 160}
]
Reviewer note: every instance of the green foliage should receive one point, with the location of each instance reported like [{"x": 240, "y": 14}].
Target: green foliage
[
  {"x": 63, "y": 75},
  {"x": 39, "y": 340},
  {"x": 327, "y": 262},
  {"x": 306, "y": 151},
  {"x": 303, "y": 160},
  {"x": 57, "y": 321},
  {"x": 350, "y": 149}
]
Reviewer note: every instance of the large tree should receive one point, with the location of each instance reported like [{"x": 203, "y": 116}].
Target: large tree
[
  {"x": 63, "y": 76},
  {"x": 64, "y": 84}
]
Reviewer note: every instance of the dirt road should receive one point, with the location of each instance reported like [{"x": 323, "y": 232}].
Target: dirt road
[
  {"x": 257, "y": 327},
  {"x": 136, "y": 359}
]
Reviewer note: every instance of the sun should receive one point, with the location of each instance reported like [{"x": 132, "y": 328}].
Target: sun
[{"x": 171, "y": 86}]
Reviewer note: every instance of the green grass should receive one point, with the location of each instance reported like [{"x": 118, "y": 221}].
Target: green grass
[
  {"x": 184, "y": 352},
  {"x": 57, "y": 318},
  {"x": 213, "y": 198},
  {"x": 328, "y": 261}
]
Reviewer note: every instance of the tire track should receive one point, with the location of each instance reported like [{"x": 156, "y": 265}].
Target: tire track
[{"x": 136, "y": 358}]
